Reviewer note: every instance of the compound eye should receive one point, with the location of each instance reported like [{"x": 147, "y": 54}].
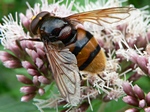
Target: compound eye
[
  {"x": 36, "y": 21},
  {"x": 65, "y": 32},
  {"x": 47, "y": 36},
  {"x": 56, "y": 31}
]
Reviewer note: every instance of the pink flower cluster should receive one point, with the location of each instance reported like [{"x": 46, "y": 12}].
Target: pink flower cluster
[
  {"x": 137, "y": 98},
  {"x": 28, "y": 55}
]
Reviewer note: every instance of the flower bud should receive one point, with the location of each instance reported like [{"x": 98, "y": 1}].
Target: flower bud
[
  {"x": 27, "y": 44},
  {"x": 147, "y": 109},
  {"x": 32, "y": 53},
  {"x": 148, "y": 48},
  {"x": 24, "y": 79},
  {"x": 142, "y": 63},
  {"x": 33, "y": 72},
  {"x": 43, "y": 80},
  {"x": 132, "y": 110},
  {"x": 12, "y": 64},
  {"x": 39, "y": 62},
  {"x": 27, "y": 97},
  {"x": 25, "y": 21},
  {"x": 131, "y": 100},
  {"x": 41, "y": 53},
  {"x": 35, "y": 81},
  {"x": 147, "y": 98},
  {"x": 139, "y": 92},
  {"x": 41, "y": 91},
  {"x": 16, "y": 50},
  {"x": 142, "y": 103},
  {"x": 128, "y": 89},
  {"x": 28, "y": 89},
  {"x": 4, "y": 56},
  {"x": 27, "y": 65}
]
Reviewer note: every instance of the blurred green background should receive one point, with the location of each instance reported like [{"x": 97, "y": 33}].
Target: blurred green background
[{"x": 9, "y": 86}]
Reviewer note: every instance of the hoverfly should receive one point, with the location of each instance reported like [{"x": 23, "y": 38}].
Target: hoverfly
[{"x": 70, "y": 50}]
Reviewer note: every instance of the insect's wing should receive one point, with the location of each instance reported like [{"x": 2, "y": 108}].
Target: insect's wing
[
  {"x": 65, "y": 72},
  {"x": 109, "y": 15}
]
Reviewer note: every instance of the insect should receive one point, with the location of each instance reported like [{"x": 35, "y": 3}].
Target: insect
[{"x": 70, "y": 49}]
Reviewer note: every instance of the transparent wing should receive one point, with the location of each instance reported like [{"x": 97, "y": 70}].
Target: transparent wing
[
  {"x": 109, "y": 15},
  {"x": 66, "y": 73}
]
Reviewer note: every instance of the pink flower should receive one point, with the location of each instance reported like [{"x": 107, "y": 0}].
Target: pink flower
[{"x": 136, "y": 97}]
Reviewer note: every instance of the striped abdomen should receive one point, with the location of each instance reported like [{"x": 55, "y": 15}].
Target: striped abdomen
[{"x": 89, "y": 55}]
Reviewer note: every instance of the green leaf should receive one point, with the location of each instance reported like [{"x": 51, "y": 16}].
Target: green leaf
[
  {"x": 9, "y": 104},
  {"x": 114, "y": 106},
  {"x": 144, "y": 83},
  {"x": 8, "y": 1}
]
